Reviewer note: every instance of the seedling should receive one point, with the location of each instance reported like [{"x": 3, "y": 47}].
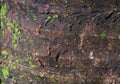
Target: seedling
[
  {"x": 4, "y": 52},
  {"x": 48, "y": 19},
  {"x": 5, "y": 72},
  {"x": 103, "y": 35},
  {"x": 72, "y": 70},
  {"x": 55, "y": 81},
  {"x": 55, "y": 16},
  {"x": 89, "y": 6},
  {"x": 82, "y": 1},
  {"x": 34, "y": 18},
  {"x": 29, "y": 61},
  {"x": 118, "y": 13},
  {"x": 7, "y": 24},
  {"x": 3, "y": 10},
  {"x": 51, "y": 18},
  {"x": 66, "y": 3},
  {"x": 11, "y": 26}
]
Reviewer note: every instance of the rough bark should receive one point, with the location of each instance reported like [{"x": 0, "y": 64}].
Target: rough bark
[{"x": 70, "y": 48}]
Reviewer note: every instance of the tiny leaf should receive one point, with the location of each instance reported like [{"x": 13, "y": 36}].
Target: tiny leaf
[{"x": 5, "y": 72}]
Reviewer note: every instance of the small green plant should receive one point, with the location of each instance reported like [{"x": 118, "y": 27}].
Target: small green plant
[
  {"x": 34, "y": 18},
  {"x": 55, "y": 16},
  {"x": 118, "y": 13},
  {"x": 72, "y": 70},
  {"x": 55, "y": 81},
  {"x": 7, "y": 24},
  {"x": 48, "y": 19},
  {"x": 13, "y": 79},
  {"x": 29, "y": 60},
  {"x": 14, "y": 59},
  {"x": 5, "y": 72},
  {"x": 66, "y": 3},
  {"x": 3, "y": 10},
  {"x": 51, "y": 18},
  {"x": 12, "y": 27},
  {"x": 82, "y": 1},
  {"x": 89, "y": 6},
  {"x": 4, "y": 54},
  {"x": 103, "y": 35},
  {"x": 15, "y": 35},
  {"x": 17, "y": 59}
]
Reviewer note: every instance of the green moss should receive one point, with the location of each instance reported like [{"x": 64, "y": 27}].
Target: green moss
[
  {"x": 82, "y": 1},
  {"x": 4, "y": 52},
  {"x": 55, "y": 81},
  {"x": 29, "y": 61},
  {"x": 34, "y": 18},
  {"x": 89, "y": 6},
  {"x": 118, "y": 13},
  {"x": 55, "y": 16},
  {"x": 12, "y": 27},
  {"x": 3, "y": 10},
  {"x": 7, "y": 24},
  {"x": 50, "y": 19},
  {"x": 103, "y": 35},
  {"x": 5, "y": 72}
]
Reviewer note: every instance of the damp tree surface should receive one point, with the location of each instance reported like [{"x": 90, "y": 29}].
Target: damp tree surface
[{"x": 60, "y": 42}]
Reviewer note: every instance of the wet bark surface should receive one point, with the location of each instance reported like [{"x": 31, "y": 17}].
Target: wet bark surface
[{"x": 70, "y": 42}]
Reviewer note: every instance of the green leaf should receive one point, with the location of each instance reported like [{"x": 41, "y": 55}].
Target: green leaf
[
  {"x": 30, "y": 63},
  {"x": 65, "y": 1},
  {"x": 14, "y": 36},
  {"x": 34, "y": 17},
  {"x": 33, "y": 66},
  {"x": 103, "y": 35},
  {"x": 3, "y": 10},
  {"x": 82, "y": 1},
  {"x": 5, "y": 72},
  {"x": 2, "y": 24},
  {"x": 14, "y": 41},
  {"x": 55, "y": 16},
  {"x": 14, "y": 67},
  {"x": 15, "y": 46},
  {"x": 48, "y": 19},
  {"x": 118, "y": 13},
  {"x": 4, "y": 52},
  {"x": 10, "y": 24},
  {"x": 19, "y": 33},
  {"x": 17, "y": 60},
  {"x": 16, "y": 29},
  {"x": 2, "y": 83}
]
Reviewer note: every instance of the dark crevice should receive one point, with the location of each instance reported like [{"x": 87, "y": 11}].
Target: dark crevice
[
  {"x": 40, "y": 62},
  {"x": 58, "y": 55},
  {"x": 108, "y": 16},
  {"x": 70, "y": 28}
]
